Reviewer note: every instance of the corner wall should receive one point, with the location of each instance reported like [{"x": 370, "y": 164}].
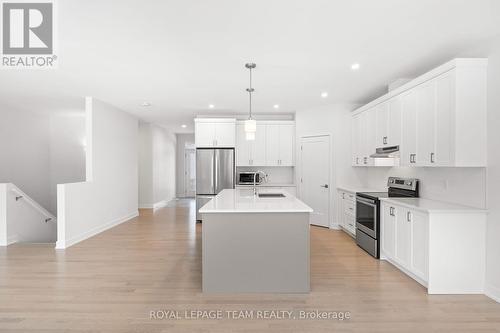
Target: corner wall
[
  {"x": 493, "y": 229},
  {"x": 182, "y": 139},
  {"x": 109, "y": 196},
  {"x": 157, "y": 169}
]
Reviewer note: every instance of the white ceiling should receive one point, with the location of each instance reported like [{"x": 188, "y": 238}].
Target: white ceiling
[{"x": 184, "y": 55}]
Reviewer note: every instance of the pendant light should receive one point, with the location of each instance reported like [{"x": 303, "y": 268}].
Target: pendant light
[{"x": 250, "y": 123}]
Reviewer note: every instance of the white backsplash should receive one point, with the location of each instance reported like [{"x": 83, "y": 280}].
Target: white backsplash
[
  {"x": 276, "y": 175},
  {"x": 465, "y": 186}
]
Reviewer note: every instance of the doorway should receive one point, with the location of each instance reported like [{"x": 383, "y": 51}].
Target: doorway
[
  {"x": 315, "y": 177},
  {"x": 189, "y": 173}
]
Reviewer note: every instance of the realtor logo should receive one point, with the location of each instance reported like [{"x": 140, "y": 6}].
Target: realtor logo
[{"x": 28, "y": 34}]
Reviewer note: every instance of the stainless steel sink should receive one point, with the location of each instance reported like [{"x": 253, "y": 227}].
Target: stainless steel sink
[{"x": 271, "y": 195}]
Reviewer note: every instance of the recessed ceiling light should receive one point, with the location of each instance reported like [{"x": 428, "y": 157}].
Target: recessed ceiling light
[
  {"x": 183, "y": 126},
  {"x": 211, "y": 106},
  {"x": 355, "y": 67},
  {"x": 276, "y": 106},
  {"x": 324, "y": 94},
  {"x": 146, "y": 104}
]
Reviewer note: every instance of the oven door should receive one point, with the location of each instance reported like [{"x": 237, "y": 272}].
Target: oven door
[{"x": 366, "y": 216}]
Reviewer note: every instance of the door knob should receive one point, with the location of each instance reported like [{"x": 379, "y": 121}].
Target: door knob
[{"x": 325, "y": 186}]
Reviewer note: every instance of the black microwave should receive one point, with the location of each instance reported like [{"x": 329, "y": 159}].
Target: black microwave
[{"x": 245, "y": 178}]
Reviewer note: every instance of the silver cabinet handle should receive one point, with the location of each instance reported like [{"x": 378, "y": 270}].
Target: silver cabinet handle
[
  {"x": 408, "y": 216},
  {"x": 432, "y": 158},
  {"x": 384, "y": 139},
  {"x": 325, "y": 186},
  {"x": 365, "y": 160},
  {"x": 343, "y": 195},
  {"x": 391, "y": 211}
]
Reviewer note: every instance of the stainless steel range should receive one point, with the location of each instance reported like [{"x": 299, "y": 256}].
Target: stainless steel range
[{"x": 368, "y": 211}]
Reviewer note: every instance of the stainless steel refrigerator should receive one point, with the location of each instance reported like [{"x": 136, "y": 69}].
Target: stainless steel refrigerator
[{"x": 214, "y": 172}]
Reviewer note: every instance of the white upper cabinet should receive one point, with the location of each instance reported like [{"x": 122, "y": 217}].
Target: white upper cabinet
[
  {"x": 280, "y": 139},
  {"x": 438, "y": 119},
  {"x": 250, "y": 152},
  {"x": 214, "y": 132},
  {"x": 273, "y": 144}
]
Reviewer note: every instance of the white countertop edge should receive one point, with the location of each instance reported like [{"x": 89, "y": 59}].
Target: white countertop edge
[
  {"x": 355, "y": 189},
  {"x": 452, "y": 208},
  {"x": 268, "y": 185},
  {"x": 247, "y": 211}
]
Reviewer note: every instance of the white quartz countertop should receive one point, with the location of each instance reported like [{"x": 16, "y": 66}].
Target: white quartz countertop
[
  {"x": 354, "y": 189},
  {"x": 432, "y": 206},
  {"x": 267, "y": 185},
  {"x": 242, "y": 200}
]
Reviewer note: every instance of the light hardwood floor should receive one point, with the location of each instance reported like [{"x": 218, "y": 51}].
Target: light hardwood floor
[{"x": 111, "y": 282}]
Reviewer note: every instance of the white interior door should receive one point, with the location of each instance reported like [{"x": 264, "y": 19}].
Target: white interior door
[
  {"x": 315, "y": 177},
  {"x": 190, "y": 173}
]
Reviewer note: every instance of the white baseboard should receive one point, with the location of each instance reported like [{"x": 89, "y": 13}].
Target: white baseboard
[
  {"x": 10, "y": 240},
  {"x": 64, "y": 244},
  {"x": 492, "y": 292},
  {"x": 157, "y": 205}
]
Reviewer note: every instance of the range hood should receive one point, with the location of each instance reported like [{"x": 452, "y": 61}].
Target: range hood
[
  {"x": 386, "y": 156},
  {"x": 386, "y": 152}
]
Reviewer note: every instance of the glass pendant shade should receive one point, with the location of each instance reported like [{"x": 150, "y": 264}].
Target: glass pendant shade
[
  {"x": 250, "y": 125},
  {"x": 250, "y": 136}
]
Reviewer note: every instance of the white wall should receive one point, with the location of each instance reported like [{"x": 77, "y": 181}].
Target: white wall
[
  {"x": 109, "y": 195},
  {"x": 182, "y": 140},
  {"x": 24, "y": 152},
  {"x": 145, "y": 166},
  {"x": 332, "y": 120},
  {"x": 67, "y": 151},
  {"x": 493, "y": 233},
  {"x": 157, "y": 169}
]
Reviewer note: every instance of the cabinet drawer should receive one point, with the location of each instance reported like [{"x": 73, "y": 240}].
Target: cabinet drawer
[
  {"x": 350, "y": 196},
  {"x": 350, "y": 223},
  {"x": 349, "y": 208}
]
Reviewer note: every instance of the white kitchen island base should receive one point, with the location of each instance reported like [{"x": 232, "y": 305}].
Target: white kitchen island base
[{"x": 255, "y": 252}]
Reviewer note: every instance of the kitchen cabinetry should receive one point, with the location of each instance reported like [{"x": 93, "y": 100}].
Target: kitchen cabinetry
[
  {"x": 215, "y": 132},
  {"x": 347, "y": 211},
  {"x": 250, "y": 152},
  {"x": 404, "y": 235},
  {"x": 273, "y": 144},
  {"x": 280, "y": 138},
  {"x": 426, "y": 241},
  {"x": 438, "y": 119}
]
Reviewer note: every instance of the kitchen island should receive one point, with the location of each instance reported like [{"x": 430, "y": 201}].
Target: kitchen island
[{"x": 255, "y": 244}]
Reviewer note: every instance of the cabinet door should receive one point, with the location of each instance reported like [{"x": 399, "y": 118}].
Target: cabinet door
[
  {"x": 371, "y": 136},
  {"x": 388, "y": 230},
  {"x": 419, "y": 244},
  {"x": 426, "y": 110},
  {"x": 225, "y": 134},
  {"x": 272, "y": 145},
  {"x": 394, "y": 122},
  {"x": 403, "y": 237},
  {"x": 444, "y": 110},
  {"x": 204, "y": 134},
  {"x": 258, "y": 146},
  {"x": 356, "y": 140},
  {"x": 286, "y": 144},
  {"x": 243, "y": 146},
  {"x": 340, "y": 209},
  {"x": 382, "y": 132},
  {"x": 408, "y": 128}
]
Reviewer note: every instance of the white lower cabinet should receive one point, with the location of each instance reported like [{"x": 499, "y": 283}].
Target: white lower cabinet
[
  {"x": 347, "y": 211},
  {"x": 442, "y": 247},
  {"x": 404, "y": 236}
]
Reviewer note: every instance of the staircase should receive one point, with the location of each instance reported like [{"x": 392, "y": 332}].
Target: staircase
[{"x": 23, "y": 220}]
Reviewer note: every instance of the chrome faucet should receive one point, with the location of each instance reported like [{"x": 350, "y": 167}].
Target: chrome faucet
[{"x": 255, "y": 180}]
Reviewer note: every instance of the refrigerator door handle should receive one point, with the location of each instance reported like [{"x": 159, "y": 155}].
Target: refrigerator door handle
[{"x": 215, "y": 186}]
